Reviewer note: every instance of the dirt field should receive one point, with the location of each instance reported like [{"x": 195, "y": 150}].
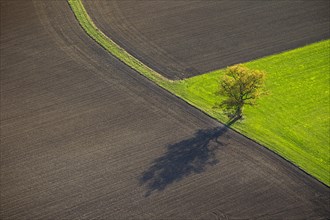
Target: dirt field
[
  {"x": 185, "y": 38},
  {"x": 83, "y": 136}
]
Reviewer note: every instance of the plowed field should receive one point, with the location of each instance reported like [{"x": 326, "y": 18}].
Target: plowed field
[
  {"x": 83, "y": 136},
  {"x": 184, "y": 38}
]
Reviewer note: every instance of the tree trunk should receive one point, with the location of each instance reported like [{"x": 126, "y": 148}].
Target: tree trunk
[{"x": 238, "y": 113}]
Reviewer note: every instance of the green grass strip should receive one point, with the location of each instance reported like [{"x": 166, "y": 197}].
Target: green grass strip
[
  {"x": 293, "y": 120},
  {"x": 91, "y": 29}
]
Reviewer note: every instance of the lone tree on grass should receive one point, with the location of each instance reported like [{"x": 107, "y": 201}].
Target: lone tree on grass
[{"x": 240, "y": 86}]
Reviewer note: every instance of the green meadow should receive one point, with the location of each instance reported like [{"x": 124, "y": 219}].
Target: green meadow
[{"x": 294, "y": 118}]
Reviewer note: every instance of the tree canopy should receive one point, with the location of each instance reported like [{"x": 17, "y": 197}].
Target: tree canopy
[{"x": 240, "y": 86}]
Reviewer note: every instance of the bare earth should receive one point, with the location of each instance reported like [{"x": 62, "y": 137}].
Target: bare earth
[
  {"x": 83, "y": 136},
  {"x": 182, "y": 38}
]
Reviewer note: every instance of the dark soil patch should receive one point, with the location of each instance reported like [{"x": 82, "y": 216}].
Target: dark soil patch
[
  {"x": 186, "y": 38},
  {"x": 79, "y": 129}
]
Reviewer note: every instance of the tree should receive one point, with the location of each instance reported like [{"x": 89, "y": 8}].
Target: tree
[{"x": 240, "y": 86}]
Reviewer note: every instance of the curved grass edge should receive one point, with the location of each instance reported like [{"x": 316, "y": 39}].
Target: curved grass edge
[
  {"x": 94, "y": 32},
  {"x": 173, "y": 86}
]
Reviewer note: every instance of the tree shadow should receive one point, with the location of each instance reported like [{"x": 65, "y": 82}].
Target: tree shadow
[{"x": 186, "y": 157}]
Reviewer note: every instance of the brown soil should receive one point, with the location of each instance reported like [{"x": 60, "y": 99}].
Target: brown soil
[
  {"x": 85, "y": 137},
  {"x": 184, "y": 38}
]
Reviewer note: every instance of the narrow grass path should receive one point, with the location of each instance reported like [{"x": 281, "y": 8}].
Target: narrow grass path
[
  {"x": 91, "y": 29},
  {"x": 293, "y": 120}
]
